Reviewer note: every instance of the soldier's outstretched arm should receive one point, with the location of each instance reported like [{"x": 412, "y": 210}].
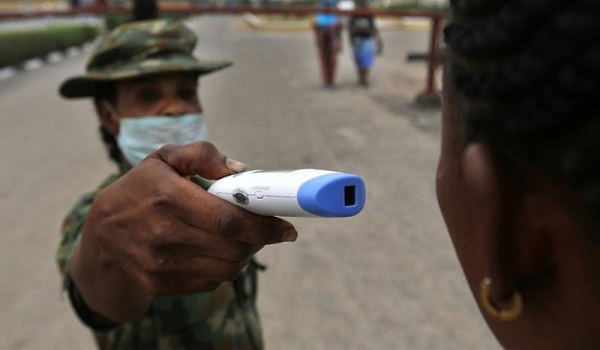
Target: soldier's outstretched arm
[{"x": 155, "y": 232}]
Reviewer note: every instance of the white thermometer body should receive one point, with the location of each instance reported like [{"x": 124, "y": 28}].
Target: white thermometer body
[{"x": 302, "y": 192}]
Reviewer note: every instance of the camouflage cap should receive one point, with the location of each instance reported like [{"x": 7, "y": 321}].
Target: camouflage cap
[{"x": 136, "y": 49}]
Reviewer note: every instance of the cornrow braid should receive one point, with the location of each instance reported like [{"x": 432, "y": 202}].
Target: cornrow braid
[
  {"x": 106, "y": 91},
  {"x": 530, "y": 72},
  {"x": 110, "y": 142}
]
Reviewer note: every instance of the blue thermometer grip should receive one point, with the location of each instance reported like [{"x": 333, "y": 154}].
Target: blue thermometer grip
[{"x": 333, "y": 195}]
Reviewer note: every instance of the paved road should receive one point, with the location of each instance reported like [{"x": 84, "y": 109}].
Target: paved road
[{"x": 386, "y": 279}]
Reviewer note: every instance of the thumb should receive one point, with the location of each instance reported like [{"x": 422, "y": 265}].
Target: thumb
[{"x": 198, "y": 158}]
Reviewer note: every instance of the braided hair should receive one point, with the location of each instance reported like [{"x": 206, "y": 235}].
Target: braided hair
[
  {"x": 529, "y": 74},
  {"x": 107, "y": 92}
]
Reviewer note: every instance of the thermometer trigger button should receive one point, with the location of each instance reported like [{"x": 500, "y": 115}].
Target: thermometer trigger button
[
  {"x": 240, "y": 196},
  {"x": 259, "y": 194}
]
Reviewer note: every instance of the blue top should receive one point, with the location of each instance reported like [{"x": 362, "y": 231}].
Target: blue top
[
  {"x": 333, "y": 195},
  {"x": 326, "y": 19}
]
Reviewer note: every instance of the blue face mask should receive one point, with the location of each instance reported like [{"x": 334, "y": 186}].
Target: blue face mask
[{"x": 138, "y": 137}]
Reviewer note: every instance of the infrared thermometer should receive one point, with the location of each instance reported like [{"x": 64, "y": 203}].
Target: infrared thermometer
[{"x": 302, "y": 192}]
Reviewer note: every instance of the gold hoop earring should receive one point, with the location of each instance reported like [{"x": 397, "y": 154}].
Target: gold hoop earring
[{"x": 509, "y": 314}]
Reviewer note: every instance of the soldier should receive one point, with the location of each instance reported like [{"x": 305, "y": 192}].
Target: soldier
[{"x": 150, "y": 259}]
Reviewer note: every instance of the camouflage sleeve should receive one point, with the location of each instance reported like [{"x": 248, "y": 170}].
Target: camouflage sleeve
[
  {"x": 71, "y": 231},
  {"x": 73, "y": 224},
  {"x": 202, "y": 182}
]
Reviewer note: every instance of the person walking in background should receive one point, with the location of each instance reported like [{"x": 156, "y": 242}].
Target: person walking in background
[
  {"x": 365, "y": 40},
  {"x": 149, "y": 259},
  {"x": 328, "y": 32},
  {"x": 519, "y": 174}
]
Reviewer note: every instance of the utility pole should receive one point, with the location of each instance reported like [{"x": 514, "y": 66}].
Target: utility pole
[{"x": 144, "y": 9}]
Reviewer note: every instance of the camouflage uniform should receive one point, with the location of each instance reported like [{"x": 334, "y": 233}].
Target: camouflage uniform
[{"x": 223, "y": 319}]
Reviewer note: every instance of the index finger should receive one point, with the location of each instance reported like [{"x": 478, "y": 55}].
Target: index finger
[{"x": 198, "y": 158}]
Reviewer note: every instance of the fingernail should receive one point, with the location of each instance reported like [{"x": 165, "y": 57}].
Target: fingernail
[
  {"x": 235, "y": 166},
  {"x": 289, "y": 235}
]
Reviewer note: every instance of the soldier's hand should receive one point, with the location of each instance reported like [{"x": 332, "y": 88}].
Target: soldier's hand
[{"x": 170, "y": 235}]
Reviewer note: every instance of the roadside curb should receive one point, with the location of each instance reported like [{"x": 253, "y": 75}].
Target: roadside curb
[
  {"x": 262, "y": 23},
  {"x": 38, "y": 62}
]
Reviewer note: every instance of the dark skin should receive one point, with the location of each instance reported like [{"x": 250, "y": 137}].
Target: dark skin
[
  {"x": 518, "y": 227},
  {"x": 154, "y": 232}
]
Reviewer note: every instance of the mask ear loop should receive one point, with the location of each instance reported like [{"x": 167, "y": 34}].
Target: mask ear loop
[{"x": 111, "y": 109}]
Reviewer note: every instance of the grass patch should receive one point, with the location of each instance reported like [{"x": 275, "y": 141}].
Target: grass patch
[{"x": 19, "y": 46}]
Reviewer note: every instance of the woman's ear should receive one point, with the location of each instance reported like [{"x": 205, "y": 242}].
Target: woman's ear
[
  {"x": 511, "y": 224},
  {"x": 108, "y": 116}
]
